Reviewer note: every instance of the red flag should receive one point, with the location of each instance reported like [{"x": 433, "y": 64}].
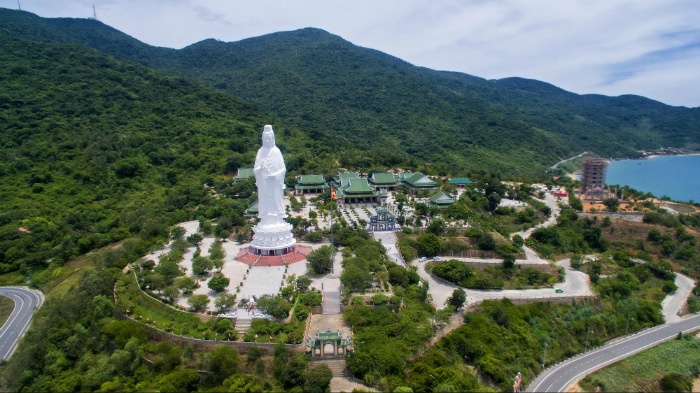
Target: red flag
[{"x": 333, "y": 196}]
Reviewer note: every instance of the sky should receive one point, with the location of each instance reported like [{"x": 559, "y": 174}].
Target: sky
[{"x": 612, "y": 47}]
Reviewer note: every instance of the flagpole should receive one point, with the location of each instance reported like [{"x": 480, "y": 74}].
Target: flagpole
[{"x": 332, "y": 253}]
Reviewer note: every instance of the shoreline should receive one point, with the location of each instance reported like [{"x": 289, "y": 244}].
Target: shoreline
[
  {"x": 650, "y": 156},
  {"x": 657, "y": 177}
]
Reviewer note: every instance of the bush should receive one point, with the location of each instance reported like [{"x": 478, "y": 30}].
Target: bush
[
  {"x": 669, "y": 287},
  {"x": 674, "y": 382},
  {"x": 379, "y": 299}
]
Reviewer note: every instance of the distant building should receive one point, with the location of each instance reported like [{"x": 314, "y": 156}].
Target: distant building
[
  {"x": 461, "y": 182},
  {"x": 252, "y": 210},
  {"x": 310, "y": 184},
  {"x": 384, "y": 180},
  {"x": 382, "y": 221},
  {"x": 416, "y": 181},
  {"x": 441, "y": 200},
  {"x": 357, "y": 190},
  {"x": 593, "y": 179},
  {"x": 244, "y": 174}
]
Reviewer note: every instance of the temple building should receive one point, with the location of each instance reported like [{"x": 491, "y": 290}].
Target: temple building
[
  {"x": 441, "y": 200},
  {"x": 310, "y": 184},
  {"x": 384, "y": 180},
  {"x": 416, "y": 181},
  {"x": 461, "y": 182},
  {"x": 382, "y": 221},
  {"x": 357, "y": 190}
]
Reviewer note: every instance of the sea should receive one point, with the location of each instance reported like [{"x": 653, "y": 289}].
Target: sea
[{"x": 677, "y": 177}]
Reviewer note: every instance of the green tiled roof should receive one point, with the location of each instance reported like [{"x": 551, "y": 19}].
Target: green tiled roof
[
  {"x": 305, "y": 180},
  {"x": 440, "y": 198},
  {"x": 358, "y": 186},
  {"x": 344, "y": 177},
  {"x": 311, "y": 187},
  {"x": 245, "y": 173},
  {"x": 460, "y": 180},
  {"x": 252, "y": 210},
  {"x": 380, "y": 178},
  {"x": 417, "y": 180}
]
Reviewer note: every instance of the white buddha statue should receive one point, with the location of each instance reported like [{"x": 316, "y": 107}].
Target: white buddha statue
[
  {"x": 269, "y": 177},
  {"x": 272, "y": 235}
]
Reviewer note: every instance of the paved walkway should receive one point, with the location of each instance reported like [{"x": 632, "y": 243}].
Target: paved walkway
[{"x": 672, "y": 305}]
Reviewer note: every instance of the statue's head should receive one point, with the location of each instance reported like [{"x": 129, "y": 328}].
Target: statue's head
[{"x": 268, "y": 136}]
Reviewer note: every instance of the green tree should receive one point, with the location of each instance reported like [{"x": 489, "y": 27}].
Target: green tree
[
  {"x": 224, "y": 301},
  {"x": 276, "y": 306},
  {"x": 221, "y": 362},
  {"x": 217, "y": 254},
  {"x": 459, "y": 296},
  {"x": 171, "y": 293},
  {"x": 198, "y": 302},
  {"x": 218, "y": 282},
  {"x": 429, "y": 244},
  {"x": 508, "y": 262},
  {"x": 201, "y": 265},
  {"x": 319, "y": 260},
  {"x": 177, "y": 232},
  {"x": 318, "y": 379},
  {"x": 437, "y": 226},
  {"x": 195, "y": 239},
  {"x": 356, "y": 278},
  {"x": 612, "y": 204},
  {"x": 186, "y": 284}
]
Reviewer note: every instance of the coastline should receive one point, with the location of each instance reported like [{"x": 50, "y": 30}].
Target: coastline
[
  {"x": 656, "y": 156},
  {"x": 667, "y": 155},
  {"x": 672, "y": 177}
]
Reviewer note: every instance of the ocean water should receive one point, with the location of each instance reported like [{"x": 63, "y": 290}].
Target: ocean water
[{"x": 677, "y": 177}]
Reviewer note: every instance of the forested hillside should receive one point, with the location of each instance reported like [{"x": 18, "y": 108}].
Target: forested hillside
[
  {"x": 392, "y": 112},
  {"x": 94, "y": 149}
]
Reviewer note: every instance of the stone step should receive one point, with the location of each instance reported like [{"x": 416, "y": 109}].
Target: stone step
[
  {"x": 243, "y": 325},
  {"x": 337, "y": 366}
]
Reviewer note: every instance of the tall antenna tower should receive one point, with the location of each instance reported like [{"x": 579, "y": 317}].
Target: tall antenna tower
[
  {"x": 19, "y": 6},
  {"x": 94, "y": 13}
]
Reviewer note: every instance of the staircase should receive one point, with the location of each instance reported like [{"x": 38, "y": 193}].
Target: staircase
[
  {"x": 337, "y": 365},
  {"x": 243, "y": 324},
  {"x": 331, "y": 302}
]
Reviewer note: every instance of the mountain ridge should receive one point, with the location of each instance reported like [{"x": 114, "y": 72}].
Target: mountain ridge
[{"x": 350, "y": 96}]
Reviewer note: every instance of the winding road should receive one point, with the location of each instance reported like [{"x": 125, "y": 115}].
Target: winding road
[
  {"x": 559, "y": 377},
  {"x": 26, "y": 302}
]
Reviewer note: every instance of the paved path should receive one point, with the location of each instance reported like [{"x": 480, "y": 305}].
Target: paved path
[
  {"x": 673, "y": 303},
  {"x": 562, "y": 375},
  {"x": 26, "y": 302},
  {"x": 568, "y": 159}
]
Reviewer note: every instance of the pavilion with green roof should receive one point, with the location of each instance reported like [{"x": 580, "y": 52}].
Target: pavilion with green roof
[
  {"x": 252, "y": 210},
  {"x": 356, "y": 190},
  {"x": 311, "y": 184},
  {"x": 416, "y": 181},
  {"x": 244, "y": 174},
  {"x": 384, "y": 180},
  {"x": 461, "y": 181},
  {"x": 441, "y": 200}
]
